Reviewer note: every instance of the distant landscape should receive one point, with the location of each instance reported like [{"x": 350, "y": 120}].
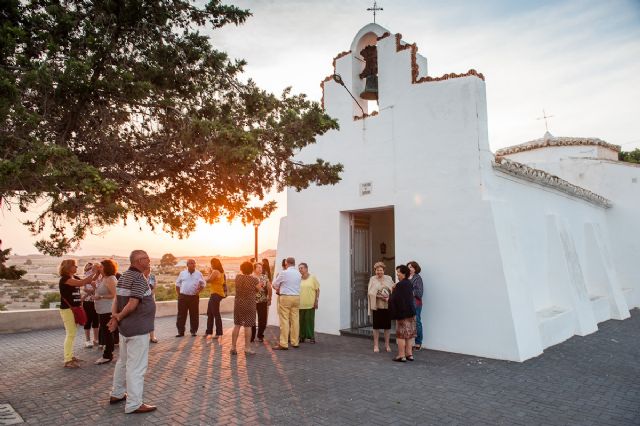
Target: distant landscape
[{"x": 39, "y": 286}]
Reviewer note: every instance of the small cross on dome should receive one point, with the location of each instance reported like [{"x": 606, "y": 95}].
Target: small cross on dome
[{"x": 545, "y": 117}]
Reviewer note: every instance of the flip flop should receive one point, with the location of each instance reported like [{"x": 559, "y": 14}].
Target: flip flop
[{"x": 400, "y": 359}]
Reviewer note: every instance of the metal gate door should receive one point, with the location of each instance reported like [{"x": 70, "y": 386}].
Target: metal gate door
[{"x": 360, "y": 269}]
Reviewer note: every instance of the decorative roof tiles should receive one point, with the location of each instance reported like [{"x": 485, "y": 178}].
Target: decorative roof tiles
[{"x": 546, "y": 179}]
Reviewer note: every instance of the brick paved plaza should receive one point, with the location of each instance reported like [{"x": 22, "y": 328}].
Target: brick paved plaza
[{"x": 592, "y": 380}]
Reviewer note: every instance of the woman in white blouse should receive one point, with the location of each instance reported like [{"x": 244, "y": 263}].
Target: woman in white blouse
[{"x": 380, "y": 286}]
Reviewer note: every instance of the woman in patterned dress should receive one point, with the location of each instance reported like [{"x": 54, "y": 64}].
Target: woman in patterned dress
[
  {"x": 403, "y": 310},
  {"x": 244, "y": 307},
  {"x": 263, "y": 301}
]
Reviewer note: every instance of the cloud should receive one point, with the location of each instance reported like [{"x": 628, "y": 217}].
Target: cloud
[{"x": 580, "y": 60}]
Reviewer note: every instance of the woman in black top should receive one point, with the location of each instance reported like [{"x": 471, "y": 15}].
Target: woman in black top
[
  {"x": 403, "y": 310},
  {"x": 69, "y": 286}
]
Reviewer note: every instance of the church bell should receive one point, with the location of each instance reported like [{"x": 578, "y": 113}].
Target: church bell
[
  {"x": 370, "y": 92},
  {"x": 370, "y": 73}
]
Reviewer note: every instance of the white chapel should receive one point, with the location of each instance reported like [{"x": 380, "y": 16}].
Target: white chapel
[{"x": 520, "y": 249}]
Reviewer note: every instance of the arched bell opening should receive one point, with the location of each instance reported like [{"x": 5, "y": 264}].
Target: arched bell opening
[{"x": 365, "y": 78}]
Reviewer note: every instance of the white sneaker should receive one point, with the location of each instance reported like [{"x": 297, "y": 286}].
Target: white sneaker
[
  {"x": 102, "y": 361},
  {"x": 88, "y": 344}
]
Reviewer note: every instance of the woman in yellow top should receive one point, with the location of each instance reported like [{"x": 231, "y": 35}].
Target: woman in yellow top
[
  {"x": 380, "y": 286},
  {"x": 217, "y": 281},
  {"x": 309, "y": 294}
]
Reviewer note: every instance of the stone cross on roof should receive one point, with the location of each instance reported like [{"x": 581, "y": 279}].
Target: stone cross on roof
[{"x": 375, "y": 8}]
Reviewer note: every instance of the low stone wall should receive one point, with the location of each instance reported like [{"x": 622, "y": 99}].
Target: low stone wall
[{"x": 45, "y": 319}]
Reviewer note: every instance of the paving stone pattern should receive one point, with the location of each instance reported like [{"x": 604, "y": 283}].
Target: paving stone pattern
[{"x": 592, "y": 380}]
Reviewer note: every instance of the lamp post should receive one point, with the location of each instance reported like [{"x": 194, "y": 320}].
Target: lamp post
[{"x": 256, "y": 224}]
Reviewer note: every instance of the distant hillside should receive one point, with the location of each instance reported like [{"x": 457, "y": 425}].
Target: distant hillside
[{"x": 17, "y": 259}]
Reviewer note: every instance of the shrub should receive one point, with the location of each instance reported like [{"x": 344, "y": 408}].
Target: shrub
[{"x": 49, "y": 298}]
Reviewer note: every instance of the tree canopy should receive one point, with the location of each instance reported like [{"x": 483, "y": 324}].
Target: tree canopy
[
  {"x": 168, "y": 260},
  {"x": 630, "y": 156},
  {"x": 9, "y": 272},
  {"x": 117, "y": 109}
]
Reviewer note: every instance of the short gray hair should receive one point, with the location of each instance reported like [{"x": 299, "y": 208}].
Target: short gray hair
[{"x": 135, "y": 254}]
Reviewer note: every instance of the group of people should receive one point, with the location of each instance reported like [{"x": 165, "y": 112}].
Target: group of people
[
  {"x": 124, "y": 305},
  {"x": 298, "y": 292},
  {"x": 401, "y": 302},
  {"x": 125, "y": 308}
]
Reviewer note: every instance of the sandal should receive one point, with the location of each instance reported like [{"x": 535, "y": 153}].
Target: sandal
[
  {"x": 376, "y": 350},
  {"x": 77, "y": 359},
  {"x": 399, "y": 359},
  {"x": 249, "y": 352},
  {"x": 312, "y": 341},
  {"x": 410, "y": 358},
  {"x": 233, "y": 352},
  {"x": 387, "y": 349},
  {"x": 71, "y": 364},
  {"x": 154, "y": 340}
]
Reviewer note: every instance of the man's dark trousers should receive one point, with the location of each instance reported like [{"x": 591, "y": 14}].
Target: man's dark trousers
[{"x": 189, "y": 304}]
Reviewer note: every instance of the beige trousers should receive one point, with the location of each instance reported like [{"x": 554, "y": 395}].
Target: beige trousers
[{"x": 288, "y": 311}]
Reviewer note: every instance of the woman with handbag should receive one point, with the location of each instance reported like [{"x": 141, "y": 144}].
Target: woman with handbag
[
  {"x": 378, "y": 293},
  {"x": 403, "y": 310},
  {"x": 70, "y": 307}
]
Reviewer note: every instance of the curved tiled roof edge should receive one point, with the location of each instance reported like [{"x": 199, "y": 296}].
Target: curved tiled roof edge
[
  {"x": 546, "y": 179},
  {"x": 555, "y": 141}
]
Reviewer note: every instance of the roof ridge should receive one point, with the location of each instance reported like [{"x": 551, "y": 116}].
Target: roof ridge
[
  {"x": 556, "y": 141},
  {"x": 547, "y": 179}
]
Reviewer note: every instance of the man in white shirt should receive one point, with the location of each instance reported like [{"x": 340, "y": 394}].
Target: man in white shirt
[
  {"x": 188, "y": 286},
  {"x": 287, "y": 285}
]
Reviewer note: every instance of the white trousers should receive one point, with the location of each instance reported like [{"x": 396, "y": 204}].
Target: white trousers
[{"x": 130, "y": 369}]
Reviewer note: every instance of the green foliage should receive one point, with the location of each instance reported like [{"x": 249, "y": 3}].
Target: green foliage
[
  {"x": 112, "y": 110},
  {"x": 164, "y": 292},
  {"x": 9, "y": 272},
  {"x": 630, "y": 156},
  {"x": 49, "y": 298},
  {"x": 168, "y": 260}
]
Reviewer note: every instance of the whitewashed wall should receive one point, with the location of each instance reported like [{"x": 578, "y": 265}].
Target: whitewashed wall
[
  {"x": 427, "y": 155},
  {"x": 620, "y": 183}
]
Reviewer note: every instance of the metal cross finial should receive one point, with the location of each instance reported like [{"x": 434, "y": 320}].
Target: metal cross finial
[
  {"x": 544, "y": 117},
  {"x": 375, "y": 8}
]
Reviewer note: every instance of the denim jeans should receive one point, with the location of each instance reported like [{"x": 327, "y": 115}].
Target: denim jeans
[{"x": 419, "y": 325}]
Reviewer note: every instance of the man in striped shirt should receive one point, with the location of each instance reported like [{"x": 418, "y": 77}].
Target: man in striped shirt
[{"x": 133, "y": 313}]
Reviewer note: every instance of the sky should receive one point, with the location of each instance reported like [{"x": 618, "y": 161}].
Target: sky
[{"x": 577, "y": 60}]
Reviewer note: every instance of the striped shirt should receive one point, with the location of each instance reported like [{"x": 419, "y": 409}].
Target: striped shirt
[{"x": 132, "y": 284}]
